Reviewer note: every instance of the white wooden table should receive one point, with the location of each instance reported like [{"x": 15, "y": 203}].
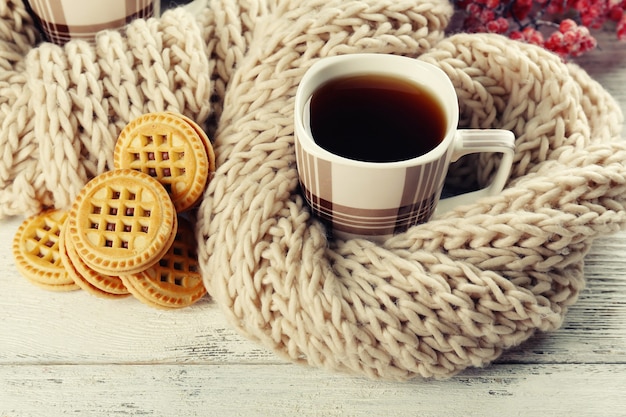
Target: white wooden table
[{"x": 74, "y": 354}]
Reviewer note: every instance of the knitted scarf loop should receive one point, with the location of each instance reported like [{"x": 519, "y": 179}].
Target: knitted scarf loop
[{"x": 443, "y": 296}]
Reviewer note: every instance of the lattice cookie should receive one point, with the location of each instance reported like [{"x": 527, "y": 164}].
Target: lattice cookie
[
  {"x": 104, "y": 286},
  {"x": 36, "y": 251},
  {"x": 174, "y": 281},
  {"x": 123, "y": 221},
  {"x": 172, "y": 149}
]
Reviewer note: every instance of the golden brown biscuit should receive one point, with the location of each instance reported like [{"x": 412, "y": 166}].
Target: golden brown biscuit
[
  {"x": 174, "y": 281},
  {"x": 121, "y": 222},
  {"x": 103, "y": 286},
  {"x": 36, "y": 251},
  {"x": 205, "y": 139},
  {"x": 169, "y": 148}
]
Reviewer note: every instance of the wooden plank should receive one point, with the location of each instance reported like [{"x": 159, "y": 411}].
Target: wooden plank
[{"x": 289, "y": 390}]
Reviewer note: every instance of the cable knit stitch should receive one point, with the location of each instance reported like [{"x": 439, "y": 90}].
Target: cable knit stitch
[{"x": 443, "y": 296}]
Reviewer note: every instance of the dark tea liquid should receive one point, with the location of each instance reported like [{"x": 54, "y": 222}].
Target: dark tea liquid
[{"x": 376, "y": 118}]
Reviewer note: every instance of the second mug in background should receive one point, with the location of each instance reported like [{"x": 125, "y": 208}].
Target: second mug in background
[
  {"x": 375, "y": 135},
  {"x": 63, "y": 20}
]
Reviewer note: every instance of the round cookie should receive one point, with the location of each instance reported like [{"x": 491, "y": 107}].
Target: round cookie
[
  {"x": 208, "y": 146},
  {"x": 174, "y": 281},
  {"x": 169, "y": 148},
  {"x": 103, "y": 286},
  {"x": 36, "y": 251},
  {"x": 122, "y": 221}
]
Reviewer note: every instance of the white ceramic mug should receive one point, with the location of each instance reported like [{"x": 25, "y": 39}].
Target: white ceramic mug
[
  {"x": 376, "y": 200},
  {"x": 64, "y": 20}
]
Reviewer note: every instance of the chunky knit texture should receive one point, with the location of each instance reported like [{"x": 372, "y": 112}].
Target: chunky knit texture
[{"x": 452, "y": 293}]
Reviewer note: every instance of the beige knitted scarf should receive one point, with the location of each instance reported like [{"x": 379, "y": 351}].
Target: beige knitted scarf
[{"x": 449, "y": 294}]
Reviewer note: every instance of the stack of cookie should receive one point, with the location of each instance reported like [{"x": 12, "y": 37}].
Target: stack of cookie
[{"x": 128, "y": 231}]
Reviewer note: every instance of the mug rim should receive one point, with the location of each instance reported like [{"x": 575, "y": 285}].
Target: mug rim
[{"x": 357, "y": 61}]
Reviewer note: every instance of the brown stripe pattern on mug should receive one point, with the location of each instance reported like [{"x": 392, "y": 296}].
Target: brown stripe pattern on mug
[
  {"x": 420, "y": 190},
  {"x": 61, "y": 20}
]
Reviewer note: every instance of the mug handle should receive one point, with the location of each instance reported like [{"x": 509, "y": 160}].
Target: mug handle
[{"x": 469, "y": 141}]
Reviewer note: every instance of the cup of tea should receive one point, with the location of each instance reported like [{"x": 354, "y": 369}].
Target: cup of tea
[
  {"x": 374, "y": 137},
  {"x": 63, "y": 20}
]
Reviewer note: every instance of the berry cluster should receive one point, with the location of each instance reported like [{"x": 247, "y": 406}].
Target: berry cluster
[{"x": 561, "y": 26}]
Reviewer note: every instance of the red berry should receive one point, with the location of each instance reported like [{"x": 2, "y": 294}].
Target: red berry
[
  {"x": 571, "y": 37},
  {"x": 567, "y": 25},
  {"x": 516, "y": 35},
  {"x": 504, "y": 24},
  {"x": 474, "y": 9},
  {"x": 500, "y": 25},
  {"x": 521, "y": 8},
  {"x": 615, "y": 13},
  {"x": 487, "y": 16},
  {"x": 533, "y": 36}
]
